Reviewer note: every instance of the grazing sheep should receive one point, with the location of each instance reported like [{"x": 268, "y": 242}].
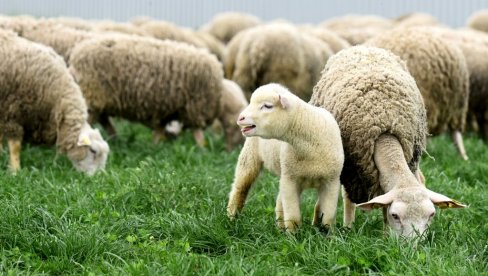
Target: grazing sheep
[
  {"x": 278, "y": 53},
  {"x": 479, "y": 20},
  {"x": 40, "y": 103},
  {"x": 224, "y": 26},
  {"x": 149, "y": 81},
  {"x": 474, "y": 45},
  {"x": 335, "y": 42},
  {"x": 296, "y": 141},
  {"x": 356, "y": 29},
  {"x": 441, "y": 73},
  {"x": 382, "y": 119}
]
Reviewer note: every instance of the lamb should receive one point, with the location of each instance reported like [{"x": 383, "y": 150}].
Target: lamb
[
  {"x": 441, "y": 73},
  {"x": 357, "y": 29},
  {"x": 296, "y": 141},
  {"x": 40, "y": 103},
  {"x": 479, "y": 20},
  {"x": 278, "y": 53},
  {"x": 224, "y": 26},
  {"x": 150, "y": 81},
  {"x": 383, "y": 126}
]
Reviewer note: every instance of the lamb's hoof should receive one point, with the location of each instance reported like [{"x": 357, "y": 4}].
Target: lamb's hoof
[
  {"x": 324, "y": 228},
  {"x": 280, "y": 223},
  {"x": 231, "y": 213}
]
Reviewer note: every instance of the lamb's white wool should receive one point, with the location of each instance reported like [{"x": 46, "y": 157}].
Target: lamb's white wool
[
  {"x": 96, "y": 157},
  {"x": 300, "y": 143}
]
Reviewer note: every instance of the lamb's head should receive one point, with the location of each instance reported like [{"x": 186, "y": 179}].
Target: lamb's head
[
  {"x": 409, "y": 211},
  {"x": 91, "y": 151},
  {"x": 269, "y": 112}
]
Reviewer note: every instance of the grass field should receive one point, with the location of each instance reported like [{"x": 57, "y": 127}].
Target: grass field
[{"x": 160, "y": 210}]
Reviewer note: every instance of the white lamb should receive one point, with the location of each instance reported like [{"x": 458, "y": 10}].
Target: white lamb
[{"x": 298, "y": 142}]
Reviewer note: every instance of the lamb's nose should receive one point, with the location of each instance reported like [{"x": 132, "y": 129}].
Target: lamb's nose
[{"x": 241, "y": 118}]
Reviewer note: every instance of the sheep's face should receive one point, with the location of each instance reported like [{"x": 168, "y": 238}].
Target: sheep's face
[
  {"x": 267, "y": 114},
  {"x": 90, "y": 153},
  {"x": 409, "y": 211}
]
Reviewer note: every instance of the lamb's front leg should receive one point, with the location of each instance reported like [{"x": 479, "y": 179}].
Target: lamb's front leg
[
  {"x": 14, "y": 146},
  {"x": 290, "y": 198},
  {"x": 326, "y": 207},
  {"x": 247, "y": 170},
  {"x": 280, "y": 221}
]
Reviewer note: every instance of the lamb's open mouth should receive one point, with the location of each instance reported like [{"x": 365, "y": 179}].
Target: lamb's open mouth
[{"x": 247, "y": 128}]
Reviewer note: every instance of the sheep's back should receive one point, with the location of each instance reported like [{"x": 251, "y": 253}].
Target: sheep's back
[
  {"x": 143, "y": 79},
  {"x": 370, "y": 92}
]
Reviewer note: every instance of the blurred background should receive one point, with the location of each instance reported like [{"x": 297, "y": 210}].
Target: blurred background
[{"x": 194, "y": 13}]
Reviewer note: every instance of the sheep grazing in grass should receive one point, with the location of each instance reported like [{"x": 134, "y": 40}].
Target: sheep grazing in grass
[
  {"x": 478, "y": 21},
  {"x": 278, "y": 53},
  {"x": 356, "y": 29},
  {"x": 224, "y": 26},
  {"x": 150, "y": 81},
  {"x": 441, "y": 73},
  {"x": 40, "y": 103},
  {"x": 298, "y": 142},
  {"x": 474, "y": 45},
  {"x": 383, "y": 125}
]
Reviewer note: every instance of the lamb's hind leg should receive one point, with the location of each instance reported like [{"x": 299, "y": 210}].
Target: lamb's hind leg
[
  {"x": 14, "y": 146},
  {"x": 247, "y": 170},
  {"x": 326, "y": 207}
]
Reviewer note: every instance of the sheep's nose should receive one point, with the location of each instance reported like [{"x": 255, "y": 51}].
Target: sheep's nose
[{"x": 241, "y": 118}]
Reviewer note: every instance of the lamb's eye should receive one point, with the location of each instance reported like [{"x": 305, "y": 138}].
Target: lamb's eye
[
  {"x": 92, "y": 151},
  {"x": 395, "y": 216},
  {"x": 266, "y": 106}
]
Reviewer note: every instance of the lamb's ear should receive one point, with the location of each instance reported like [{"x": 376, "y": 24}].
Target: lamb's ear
[
  {"x": 284, "y": 101},
  {"x": 443, "y": 201},
  {"x": 377, "y": 202}
]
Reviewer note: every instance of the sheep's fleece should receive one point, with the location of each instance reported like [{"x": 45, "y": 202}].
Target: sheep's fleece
[
  {"x": 370, "y": 92},
  {"x": 147, "y": 80}
]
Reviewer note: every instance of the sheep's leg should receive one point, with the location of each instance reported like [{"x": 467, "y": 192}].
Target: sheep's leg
[
  {"x": 328, "y": 197},
  {"x": 458, "y": 141},
  {"x": 279, "y": 213},
  {"x": 107, "y": 124},
  {"x": 290, "y": 197},
  {"x": 14, "y": 146},
  {"x": 349, "y": 209},
  {"x": 199, "y": 137},
  {"x": 247, "y": 170}
]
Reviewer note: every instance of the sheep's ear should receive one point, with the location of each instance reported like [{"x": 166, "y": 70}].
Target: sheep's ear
[
  {"x": 377, "y": 202},
  {"x": 443, "y": 201},
  {"x": 84, "y": 140},
  {"x": 284, "y": 101}
]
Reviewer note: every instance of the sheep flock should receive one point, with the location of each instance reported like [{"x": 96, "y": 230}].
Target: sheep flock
[{"x": 360, "y": 93}]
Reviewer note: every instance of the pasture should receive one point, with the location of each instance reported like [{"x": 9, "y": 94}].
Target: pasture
[{"x": 160, "y": 210}]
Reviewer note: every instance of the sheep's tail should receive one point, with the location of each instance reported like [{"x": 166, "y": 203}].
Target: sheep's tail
[{"x": 457, "y": 137}]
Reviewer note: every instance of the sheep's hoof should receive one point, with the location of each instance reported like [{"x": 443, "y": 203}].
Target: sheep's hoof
[
  {"x": 280, "y": 223},
  {"x": 291, "y": 227}
]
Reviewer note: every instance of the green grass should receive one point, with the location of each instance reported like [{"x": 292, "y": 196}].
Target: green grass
[{"x": 160, "y": 210}]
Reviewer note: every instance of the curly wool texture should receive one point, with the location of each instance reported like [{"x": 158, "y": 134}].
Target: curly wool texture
[
  {"x": 277, "y": 53},
  {"x": 440, "y": 70},
  {"x": 147, "y": 80},
  {"x": 40, "y": 102},
  {"x": 370, "y": 92},
  {"x": 224, "y": 26}
]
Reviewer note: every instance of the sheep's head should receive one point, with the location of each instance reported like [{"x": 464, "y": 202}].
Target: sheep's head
[
  {"x": 91, "y": 151},
  {"x": 268, "y": 113},
  {"x": 409, "y": 211}
]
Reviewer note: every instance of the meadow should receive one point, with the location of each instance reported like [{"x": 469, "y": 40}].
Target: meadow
[{"x": 160, "y": 210}]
